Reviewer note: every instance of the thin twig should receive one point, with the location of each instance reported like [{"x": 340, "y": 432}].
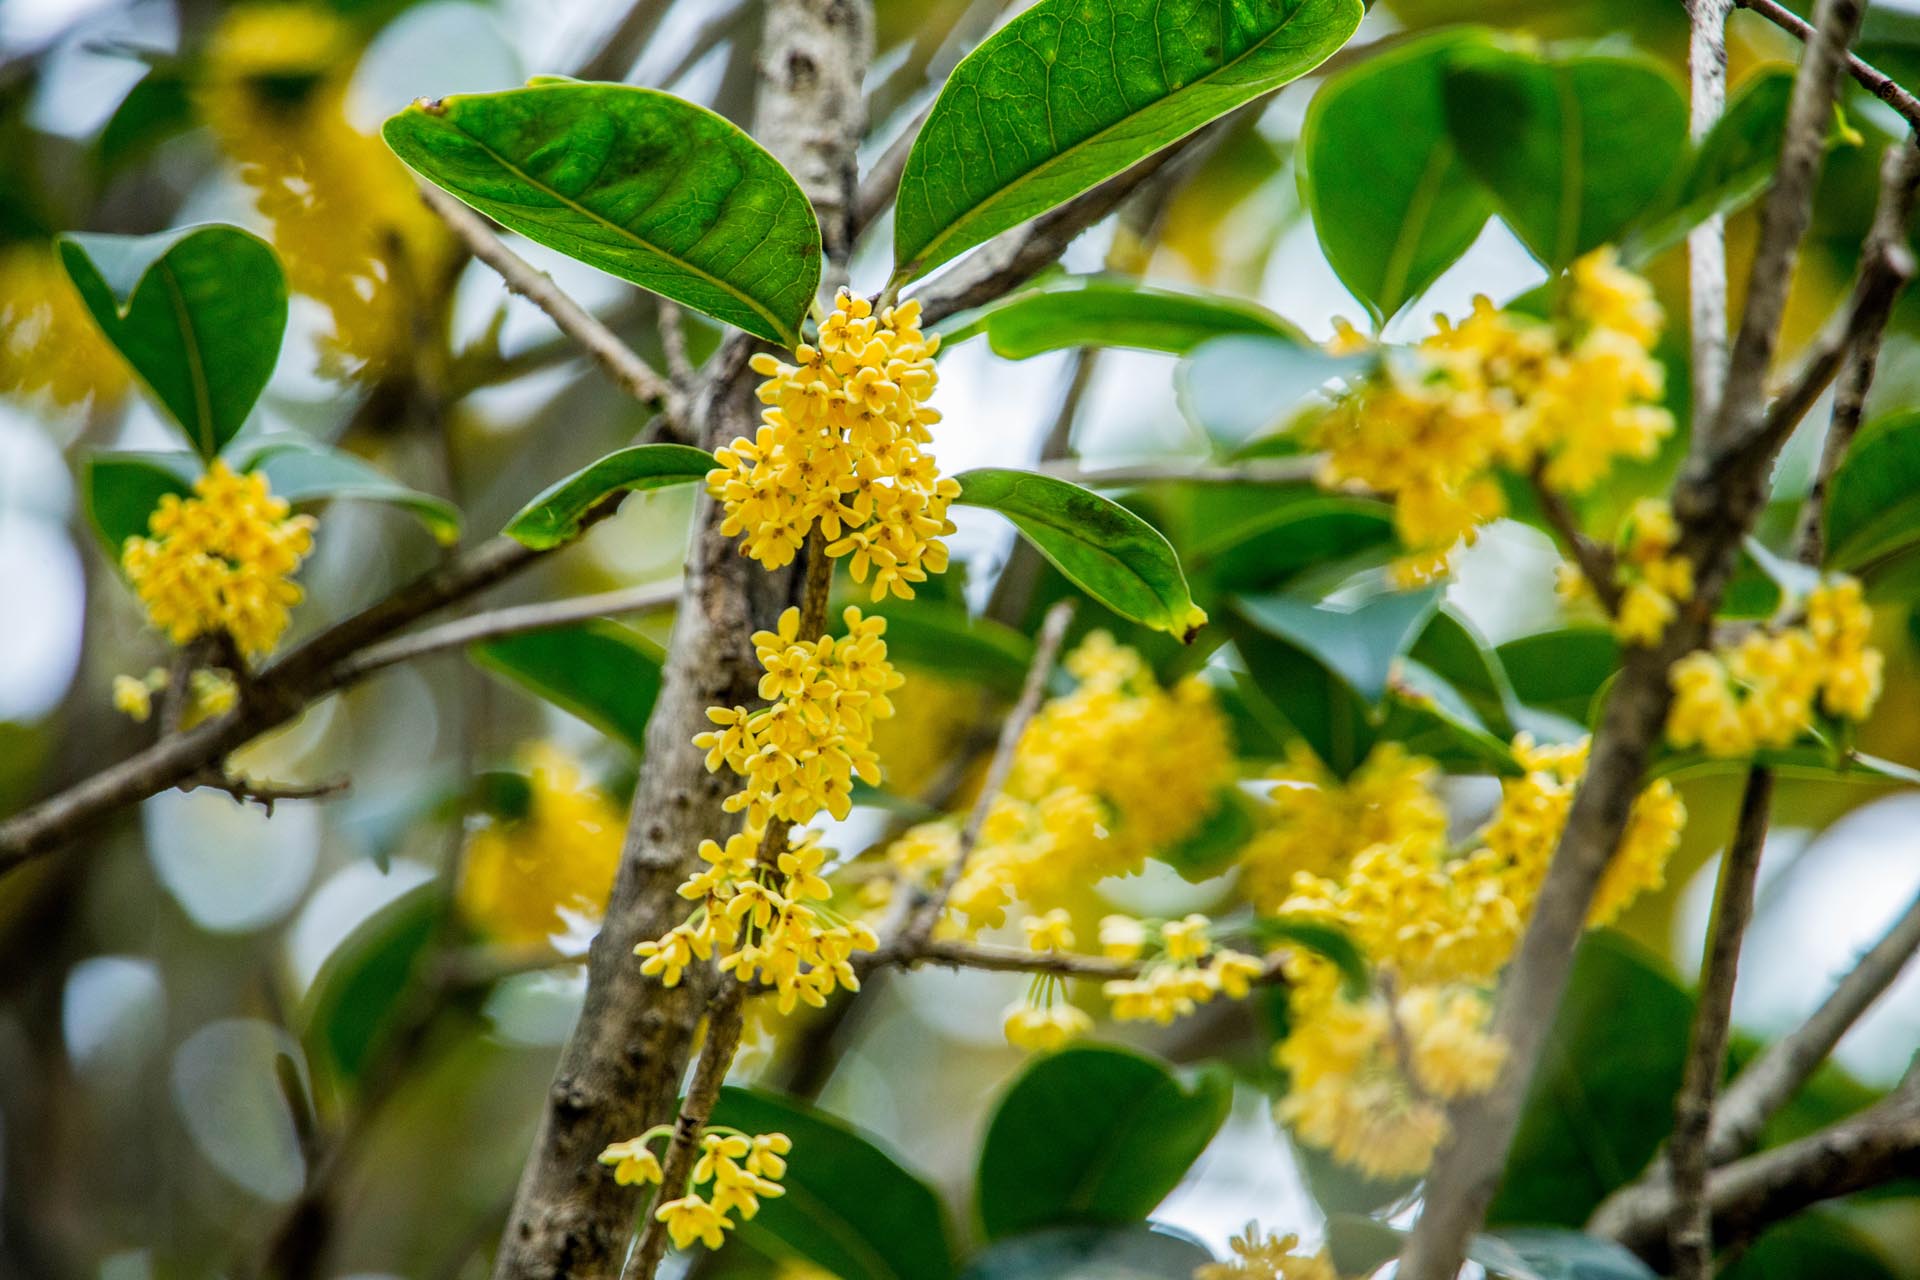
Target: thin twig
[
  {"x": 1595, "y": 561},
  {"x": 1870, "y": 78},
  {"x": 620, "y": 361},
  {"x": 1053, "y": 632},
  {"x": 264, "y": 794},
  {"x": 673, "y": 342},
  {"x": 1690, "y": 1230},
  {"x": 512, "y": 621}
]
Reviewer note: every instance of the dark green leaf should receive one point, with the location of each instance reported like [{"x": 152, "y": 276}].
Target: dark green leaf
[
  {"x": 1358, "y": 643},
  {"x": 1103, "y": 548},
  {"x": 1071, "y": 93},
  {"x": 1391, "y": 202},
  {"x": 1090, "y": 1253},
  {"x": 849, "y": 1207},
  {"x": 554, "y": 516},
  {"x": 1815, "y": 1244},
  {"x": 1602, "y": 1100},
  {"x": 947, "y": 641},
  {"x": 1093, "y": 1134},
  {"x": 360, "y": 986},
  {"x": 1873, "y": 501},
  {"x": 1290, "y": 684},
  {"x": 636, "y": 182},
  {"x": 157, "y": 108},
  {"x": 197, "y": 312},
  {"x": 605, "y": 673},
  {"x": 1573, "y": 149},
  {"x": 1258, "y": 538},
  {"x": 1113, "y": 311},
  {"x": 1238, "y": 388},
  {"x": 1733, "y": 165},
  {"x": 1561, "y": 671},
  {"x": 1326, "y": 940},
  {"x": 124, "y": 486},
  {"x": 1215, "y": 842},
  {"x": 1455, "y": 651},
  {"x": 302, "y": 470}
]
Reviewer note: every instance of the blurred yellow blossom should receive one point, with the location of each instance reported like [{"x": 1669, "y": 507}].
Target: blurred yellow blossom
[
  {"x": 48, "y": 341},
  {"x": 521, "y": 875},
  {"x": 1258, "y": 1256}
]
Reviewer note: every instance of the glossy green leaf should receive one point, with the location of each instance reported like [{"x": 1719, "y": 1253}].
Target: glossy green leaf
[
  {"x": 1358, "y": 643},
  {"x": 849, "y": 1207},
  {"x": 157, "y": 108},
  {"x": 1392, "y": 203},
  {"x": 554, "y": 515},
  {"x": 1093, "y": 1134},
  {"x": 1873, "y": 500},
  {"x": 1239, "y": 388},
  {"x": 197, "y": 312},
  {"x": 1573, "y": 149},
  {"x": 606, "y": 674},
  {"x": 1815, "y": 761},
  {"x": 1602, "y": 1100},
  {"x": 1453, "y": 649},
  {"x": 1326, "y": 940},
  {"x": 1112, "y": 311},
  {"x": 1733, "y": 165},
  {"x": 1103, "y": 548},
  {"x": 638, "y": 183},
  {"x": 1090, "y": 1253},
  {"x": 303, "y": 471},
  {"x": 359, "y": 988},
  {"x": 122, "y": 487},
  {"x": 946, "y": 641},
  {"x": 1215, "y": 842},
  {"x": 1073, "y": 92},
  {"x": 1256, "y": 539},
  {"x": 1561, "y": 671}
]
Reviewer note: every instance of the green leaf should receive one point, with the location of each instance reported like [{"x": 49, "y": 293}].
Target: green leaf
[
  {"x": 1093, "y": 1134},
  {"x": 1326, "y": 940},
  {"x": 1239, "y": 388},
  {"x": 1257, "y": 538},
  {"x": 1392, "y": 204},
  {"x": 1360, "y": 1245},
  {"x": 122, "y": 488},
  {"x": 1602, "y": 1100},
  {"x": 1359, "y": 642},
  {"x": 1733, "y": 165},
  {"x": 1816, "y": 761},
  {"x": 1073, "y": 92},
  {"x": 606, "y": 674},
  {"x": 157, "y": 108},
  {"x": 1293, "y": 684},
  {"x": 1103, "y": 548},
  {"x": 946, "y": 641},
  {"x": 636, "y": 182},
  {"x": 553, "y": 517},
  {"x": 849, "y": 1207},
  {"x": 1215, "y": 841},
  {"x": 1573, "y": 149},
  {"x": 1549, "y": 1254},
  {"x": 360, "y": 986},
  {"x": 1453, "y": 649},
  {"x": 302, "y": 470},
  {"x": 1873, "y": 500},
  {"x": 1818, "y": 1243},
  {"x": 1561, "y": 671},
  {"x": 1090, "y": 1253},
  {"x": 1112, "y": 311},
  {"x": 197, "y": 312}
]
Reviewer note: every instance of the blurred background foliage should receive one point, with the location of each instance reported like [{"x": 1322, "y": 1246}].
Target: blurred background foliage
[{"x": 207, "y": 1016}]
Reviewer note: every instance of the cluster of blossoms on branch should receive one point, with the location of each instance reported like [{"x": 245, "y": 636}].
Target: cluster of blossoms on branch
[
  {"x": 1564, "y": 397},
  {"x": 842, "y": 448},
  {"x": 742, "y": 1170}
]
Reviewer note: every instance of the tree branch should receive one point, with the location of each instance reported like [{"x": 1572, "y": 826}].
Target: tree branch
[
  {"x": 622, "y": 364},
  {"x": 1874, "y": 81},
  {"x": 1707, "y": 243},
  {"x": 1595, "y": 561}
]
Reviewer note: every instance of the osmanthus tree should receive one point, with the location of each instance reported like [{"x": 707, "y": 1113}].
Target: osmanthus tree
[{"x": 1243, "y": 667}]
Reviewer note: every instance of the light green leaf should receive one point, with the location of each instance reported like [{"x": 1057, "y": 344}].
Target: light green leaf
[
  {"x": 606, "y": 674},
  {"x": 122, "y": 487},
  {"x": 1358, "y": 643},
  {"x": 1103, "y": 548},
  {"x": 1090, "y": 1253},
  {"x": 358, "y": 990},
  {"x": 849, "y": 1207},
  {"x": 1391, "y": 201},
  {"x": 636, "y": 182},
  {"x": 1573, "y": 149},
  {"x": 1112, "y": 311},
  {"x": 554, "y": 516},
  {"x": 1873, "y": 501},
  {"x": 1561, "y": 671},
  {"x": 198, "y": 312},
  {"x": 1238, "y": 388},
  {"x": 1073, "y": 92},
  {"x": 1093, "y": 1134},
  {"x": 302, "y": 470},
  {"x": 1454, "y": 650},
  {"x": 946, "y": 641}
]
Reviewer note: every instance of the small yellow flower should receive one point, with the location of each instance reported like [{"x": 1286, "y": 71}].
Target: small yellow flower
[
  {"x": 691, "y": 1218},
  {"x": 1050, "y": 932},
  {"x": 634, "y": 1163},
  {"x": 1042, "y": 1029},
  {"x": 133, "y": 696}
]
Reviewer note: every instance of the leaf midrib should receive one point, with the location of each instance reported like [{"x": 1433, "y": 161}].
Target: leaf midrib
[
  {"x": 785, "y": 333},
  {"x": 841, "y": 1229},
  {"x": 196, "y": 370},
  {"x": 1018, "y": 182}
]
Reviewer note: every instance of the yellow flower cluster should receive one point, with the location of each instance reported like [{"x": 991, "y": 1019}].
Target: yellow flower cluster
[
  {"x": 1102, "y": 778},
  {"x": 221, "y": 560},
  {"x": 765, "y": 915},
  {"x": 843, "y": 446},
  {"x": 1766, "y": 689},
  {"x": 1654, "y": 581},
  {"x": 1258, "y": 1256},
  {"x": 210, "y": 692},
  {"x": 1182, "y": 973},
  {"x": 522, "y": 878},
  {"x": 346, "y": 216},
  {"x": 1045, "y": 1019},
  {"x": 48, "y": 341},
  {"x": 743, "y": 1169},
  {"x": 1316, "y": 823},
  {"x": 1367, "y": 1080},
  {"x": 1566, "y": 397}
]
